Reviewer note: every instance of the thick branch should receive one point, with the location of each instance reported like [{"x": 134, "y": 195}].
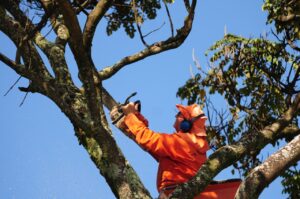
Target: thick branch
[
  {"x": 121, "y": 177},
  {"x": 87, "y": 71},
  {"x": 251, "y": 142},
  {"x": 92, "y": 21},
  {"x": 170, "y": 43},
  {"x": 264, "y": 174},
  {"x": 76, "y": 38}
]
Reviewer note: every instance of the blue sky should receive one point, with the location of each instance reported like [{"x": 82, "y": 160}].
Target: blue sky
[{"x": 39, "y": 155}]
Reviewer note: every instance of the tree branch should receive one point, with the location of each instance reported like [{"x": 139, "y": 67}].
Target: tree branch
[
  {"x": 87, "y": 71},
  {"x": 76, "y": 37},
  {"x": 251, "y": 142},
  {"x": 92, "y": 21},
  {"x": 187, "y": 4},
  {"x": 19, "y": 68},
  {"x": 170, "y": 43},
  {"x": 170, "y": 19},
  {"x": 264, "y": 174}
]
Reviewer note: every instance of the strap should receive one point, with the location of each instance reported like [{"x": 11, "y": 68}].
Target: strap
[{"x": 197, "y": 117}]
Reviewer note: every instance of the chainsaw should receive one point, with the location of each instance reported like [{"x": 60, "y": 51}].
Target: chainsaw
[{"x": 127, "y": 100}]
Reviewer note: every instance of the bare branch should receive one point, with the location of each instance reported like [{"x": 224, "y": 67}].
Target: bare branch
[
  {"x": 92, "y": 21},
  {"x": 152, "y": 31},
  {"x": 24, "y": 98},
  {"x": 19, "y": 68},
  {"x": 264, "y": 174},
  {"x": 170, "y": 19},
  {"x": 187, "y": 4},
  {"x": 12, "y": 86},
  {"x": 170, "y": 43}
]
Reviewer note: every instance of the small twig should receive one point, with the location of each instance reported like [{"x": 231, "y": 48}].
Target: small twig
[
  {"x": 170, "y": 19},
  {"x": 27, "y": 90},
  {"x": 12, "y": 86},
  {"x": 154, "y": 30},
  {"x": 275, "y": 35},
  {"x": 23, "y": 99}
]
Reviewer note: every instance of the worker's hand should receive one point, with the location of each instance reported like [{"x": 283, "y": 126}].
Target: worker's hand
[{"x": 130, "y": 108}]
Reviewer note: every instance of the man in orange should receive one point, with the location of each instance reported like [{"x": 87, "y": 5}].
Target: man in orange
[{"x": 181, "y": 154}]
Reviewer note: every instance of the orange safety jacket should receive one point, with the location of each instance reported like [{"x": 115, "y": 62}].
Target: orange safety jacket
[{"x": 179, "y": 157}]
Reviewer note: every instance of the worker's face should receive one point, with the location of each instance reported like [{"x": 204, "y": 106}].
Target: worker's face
[{"x": 178, "y": 120}]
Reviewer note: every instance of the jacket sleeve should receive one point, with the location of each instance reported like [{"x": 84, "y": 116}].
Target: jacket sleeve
[{"x": 154, "y": 143}]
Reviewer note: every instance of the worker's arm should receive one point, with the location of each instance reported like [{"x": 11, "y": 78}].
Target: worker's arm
[
  {"x": 153, "y": 142},
  {"x": 137, "y": 128}
]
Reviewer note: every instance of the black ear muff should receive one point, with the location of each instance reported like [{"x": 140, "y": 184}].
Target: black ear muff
[{"x": 186, "y": 125}]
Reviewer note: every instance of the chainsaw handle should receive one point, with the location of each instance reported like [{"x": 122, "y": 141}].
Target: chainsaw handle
[
  {"x": 128, "y": 98},
  {"x": 138, "y": 103}
]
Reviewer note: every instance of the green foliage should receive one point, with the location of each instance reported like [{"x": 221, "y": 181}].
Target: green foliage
[
  {"x": 249, "y": 74},
  {"x": 128, "y": 12},
  {"x": 285, "y": 15},
  {"x": 123, "y": 13}
]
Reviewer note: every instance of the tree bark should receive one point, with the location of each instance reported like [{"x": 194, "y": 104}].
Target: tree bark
[{"x": 264, "y": 174}]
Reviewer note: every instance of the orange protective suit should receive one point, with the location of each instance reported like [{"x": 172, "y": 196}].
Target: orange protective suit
[{"x": 180, "y": 155}]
